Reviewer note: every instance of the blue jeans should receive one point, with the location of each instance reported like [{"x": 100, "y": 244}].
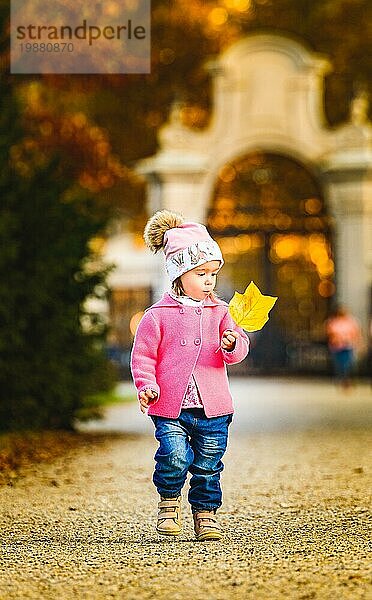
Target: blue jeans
[
  {"x": 192, "y": 443},
  {"x": 343, "y": 362}
]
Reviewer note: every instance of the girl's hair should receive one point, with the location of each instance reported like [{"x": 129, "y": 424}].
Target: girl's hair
[
  {"x": 177, "y": 287},
  {"x": 156, "y": 227}
]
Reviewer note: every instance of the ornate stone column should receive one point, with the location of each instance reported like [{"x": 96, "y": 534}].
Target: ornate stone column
[
  {"x": 175, "y": 176},
  {"x": 348, "y": 187}
]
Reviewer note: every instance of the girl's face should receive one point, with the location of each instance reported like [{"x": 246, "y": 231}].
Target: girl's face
[{"x": 201, "y": 281}]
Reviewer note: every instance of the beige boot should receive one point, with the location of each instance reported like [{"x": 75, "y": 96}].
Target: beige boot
[
  {"x": 169, "y": 516},
  {"x": 206, "y": 526}
]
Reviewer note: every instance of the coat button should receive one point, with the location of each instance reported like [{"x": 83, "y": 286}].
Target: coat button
[
  {"x": 198, "y": 311},
  {"x": 197, "y": 342},
  {"x": 182, "y": 310},
  {"x": 183, "y": 342}
]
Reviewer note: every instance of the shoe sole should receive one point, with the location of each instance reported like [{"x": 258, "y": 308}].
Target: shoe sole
[
  {"x": 209, "y": 537},
  {"x": 169, "y": 533}
]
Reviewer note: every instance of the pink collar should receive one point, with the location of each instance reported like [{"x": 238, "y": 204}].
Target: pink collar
[{"x": 168, "y": 301}]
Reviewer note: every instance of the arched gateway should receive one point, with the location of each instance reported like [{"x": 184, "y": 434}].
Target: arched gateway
[
  {"x": 269, "y": 217},
  {"x": 286, "y": 196}
]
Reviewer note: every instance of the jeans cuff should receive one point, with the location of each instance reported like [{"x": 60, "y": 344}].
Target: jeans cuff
[{"x": 195, "y": 509}]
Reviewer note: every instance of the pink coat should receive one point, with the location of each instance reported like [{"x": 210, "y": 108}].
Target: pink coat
[{"x": 174, "y": 341}]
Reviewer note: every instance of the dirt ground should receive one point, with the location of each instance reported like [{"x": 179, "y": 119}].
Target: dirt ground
[{"x": 295, "y": 516}]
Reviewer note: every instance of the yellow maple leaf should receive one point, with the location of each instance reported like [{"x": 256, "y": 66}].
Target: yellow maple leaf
[{"x": 251, "y": 310}]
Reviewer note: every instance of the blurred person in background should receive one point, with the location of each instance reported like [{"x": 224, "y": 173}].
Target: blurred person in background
[{"x": 345, "y": 339}]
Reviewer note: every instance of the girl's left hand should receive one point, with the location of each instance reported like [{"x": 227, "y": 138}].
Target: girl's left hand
[{"x": 228, "y": 340}]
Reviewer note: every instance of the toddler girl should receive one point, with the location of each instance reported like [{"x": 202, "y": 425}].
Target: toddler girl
[{"x": 178, "y": 365}]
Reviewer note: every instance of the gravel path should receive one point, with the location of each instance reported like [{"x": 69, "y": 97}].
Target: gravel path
[{"x": 295, "y": 517}]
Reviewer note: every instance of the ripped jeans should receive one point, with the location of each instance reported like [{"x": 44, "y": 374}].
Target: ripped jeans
[{"x": 192, "y": 443}]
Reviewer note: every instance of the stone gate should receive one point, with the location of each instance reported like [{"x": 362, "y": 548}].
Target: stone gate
[{"x": 268, "y": 96}]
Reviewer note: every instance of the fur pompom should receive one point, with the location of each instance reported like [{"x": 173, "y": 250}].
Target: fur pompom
[{"x": 156, "y": 227}]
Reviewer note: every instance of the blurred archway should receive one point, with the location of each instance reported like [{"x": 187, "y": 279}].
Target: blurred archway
[{"x": 269, "y": 216}]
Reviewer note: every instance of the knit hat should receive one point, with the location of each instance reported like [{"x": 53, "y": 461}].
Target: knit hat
[{"x": 186, "y": 245}]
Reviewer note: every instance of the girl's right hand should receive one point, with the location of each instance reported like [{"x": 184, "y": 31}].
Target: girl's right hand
[{"x": 145, "y": 398}]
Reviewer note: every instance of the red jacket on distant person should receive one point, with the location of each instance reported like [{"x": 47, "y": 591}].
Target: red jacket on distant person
[
  {"x": 343, "y": 332},
  {"x": 175, "y": 341}
]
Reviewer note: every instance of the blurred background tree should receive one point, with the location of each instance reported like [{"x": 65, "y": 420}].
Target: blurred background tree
[{"x": 51, "y": 348}]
